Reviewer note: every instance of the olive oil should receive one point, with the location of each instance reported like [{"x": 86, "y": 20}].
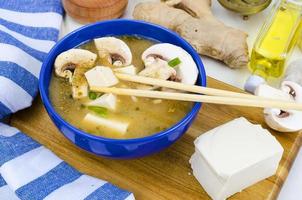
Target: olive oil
[{"x": 276, "y": 40}]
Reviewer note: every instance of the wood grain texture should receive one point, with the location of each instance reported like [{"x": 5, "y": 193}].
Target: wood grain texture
[
  {"x": 165, "y": 175},
  {"x": 94, "y": 10}
]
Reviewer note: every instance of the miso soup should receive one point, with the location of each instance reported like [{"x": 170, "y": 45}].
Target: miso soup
[{"x": 129, "y": 117}]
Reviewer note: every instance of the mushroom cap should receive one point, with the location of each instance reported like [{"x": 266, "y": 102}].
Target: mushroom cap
[
  {"x": 117, "y": 49},
  {"x": 186, "y": 70},
  {"x": 280, "y": 120},
  {"x": 69, "y": 60}
]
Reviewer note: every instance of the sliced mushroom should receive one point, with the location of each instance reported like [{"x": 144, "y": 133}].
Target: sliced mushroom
[
  {"x": 72, "y": 64},
  {"x": 281, "y": 120},
  {"x": 293, "y": 89},
  {"x": 67, "y": 61},
  {"x": 161, "y": 54},
  {"x": 117, "y": 50}
]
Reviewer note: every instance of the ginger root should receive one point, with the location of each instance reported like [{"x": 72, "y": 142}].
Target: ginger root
[{"x": 194, "y": 21}]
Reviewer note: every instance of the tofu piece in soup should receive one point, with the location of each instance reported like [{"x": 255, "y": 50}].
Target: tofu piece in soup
[
  {"x": 120, "y": 127},
  {"x": 106, "y": 101},
  {"x": 101, "y": 76},
  {"x": 131, "y": 70}
]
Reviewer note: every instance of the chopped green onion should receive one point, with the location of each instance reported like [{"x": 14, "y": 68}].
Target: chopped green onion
[
  {"x": 98, "y": 110},
  {"x": 92, "y": 95},
  {"x": 174, "y": 62}
]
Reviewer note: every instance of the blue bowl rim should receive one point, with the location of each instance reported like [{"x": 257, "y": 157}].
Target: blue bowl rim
[{"x": 52, "y": 112}]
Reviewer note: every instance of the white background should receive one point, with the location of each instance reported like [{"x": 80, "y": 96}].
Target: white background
[{"x": 292, "y": 189}]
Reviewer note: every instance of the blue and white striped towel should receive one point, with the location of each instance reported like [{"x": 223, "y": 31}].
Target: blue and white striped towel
[
  {"x": 29, "y": 171},
  {"x": 32, "y": 172},
  {"x": 28, "y": 30}
]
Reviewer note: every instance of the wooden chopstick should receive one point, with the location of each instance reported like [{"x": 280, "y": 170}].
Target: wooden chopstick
[
  {"x": 183, "y": 87},
  {"x": 263, "y": 103}
]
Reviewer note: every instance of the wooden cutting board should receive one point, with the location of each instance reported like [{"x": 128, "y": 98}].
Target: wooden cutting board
[{"x": 165, "y": 175}]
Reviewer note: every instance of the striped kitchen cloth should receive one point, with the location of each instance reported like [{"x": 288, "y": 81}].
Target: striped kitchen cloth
[
  {"x": 28, "y": 30},
  {"x": 32, "y": 172},
  {"x": 29, "y": 171}
]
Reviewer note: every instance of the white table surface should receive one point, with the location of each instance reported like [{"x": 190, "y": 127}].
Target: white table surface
[{"x": 292, "y": 189}]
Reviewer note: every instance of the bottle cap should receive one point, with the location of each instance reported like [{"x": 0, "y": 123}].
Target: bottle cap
[{"x": 252, "y": 83}]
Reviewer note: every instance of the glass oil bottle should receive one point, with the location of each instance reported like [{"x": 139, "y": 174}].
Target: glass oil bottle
[
  {"x": 275, "y": 42},
  {"x": 300, "y": 38}
]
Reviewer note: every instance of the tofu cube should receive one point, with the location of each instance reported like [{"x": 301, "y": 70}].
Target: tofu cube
[
  {"x": 120, "y": 127},
  {"x": 131, "y": 70},
  {"x": 233, "y": 157},
  {"x": 106, "y": 100},
  {"x": 101, "y": 76}
]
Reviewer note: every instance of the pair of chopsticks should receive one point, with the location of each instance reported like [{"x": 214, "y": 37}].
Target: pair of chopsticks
[{"x": 210, "y": 95}]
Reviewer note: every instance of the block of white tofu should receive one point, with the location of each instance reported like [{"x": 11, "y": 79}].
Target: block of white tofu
[
  {"x": 131, "y": 70},
  {"x": 106, "y": 101},
  {"x": 101, "y": 76},
  {"x": 118, "y": 126},
  {"x": 234, "y": 156}
]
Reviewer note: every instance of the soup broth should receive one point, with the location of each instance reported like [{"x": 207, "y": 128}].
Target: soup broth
[{"x": 145, "y": 116}]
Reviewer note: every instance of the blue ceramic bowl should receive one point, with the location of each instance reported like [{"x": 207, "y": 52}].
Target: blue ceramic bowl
[{"x": 118, "y": 148}]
